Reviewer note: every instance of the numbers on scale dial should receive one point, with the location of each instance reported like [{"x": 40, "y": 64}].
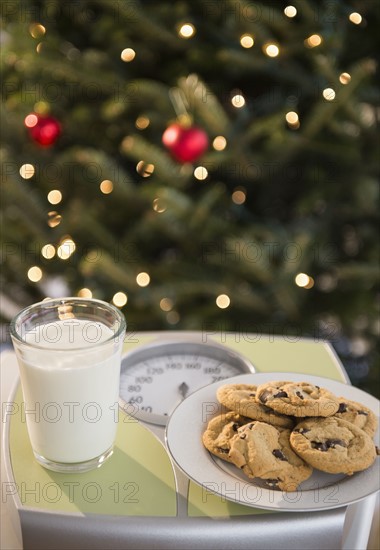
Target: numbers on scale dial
[
  {"x": 158, "y": 384},
  {"x": 157, "y": 377}
]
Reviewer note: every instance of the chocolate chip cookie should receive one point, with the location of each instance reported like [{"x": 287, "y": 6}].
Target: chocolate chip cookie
[
  {"x": 219, "y": 432},
  {"x": 298, "y": 399},
  {"x": 241, "y": 398},
  {"x": 333, "y": 445},
  {"x": 357, "y": 414},
  {"x": 263, "y": 451}
]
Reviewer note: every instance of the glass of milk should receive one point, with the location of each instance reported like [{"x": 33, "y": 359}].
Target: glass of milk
[{"x": 69, "y": 355}]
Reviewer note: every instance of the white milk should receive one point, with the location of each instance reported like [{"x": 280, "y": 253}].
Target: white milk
[{"x": 71, "y": 396}]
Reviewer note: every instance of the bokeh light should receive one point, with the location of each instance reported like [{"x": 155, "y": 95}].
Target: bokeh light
[
  {"x": 290, "y": 11},
  {"x": 120, "y": 299},
  {"x": 239, "y": 196},
  {"x": 166, "y": 304},
  {"x": 200, "y": 173},
  {"x": 85, "y": 293},
  {"x": 54, "y": 196},
  {"x": 219, "y": 143},
  {"x": 304, "y": 281},
  {"x": 128, "y": 55},
  {"x": 66, "y": 248},
  {"x": 271, "y": 50},
  {"x": 313, "y": 41},
  {"x": 355, "y": 18},
  {"x": 106, "y": 187},
  {"x": 186, "y": 30},
  {"x": 344, "y": 78},
  {"x": 144, "y": 169},
  {"x": 54, "y": 218},
  {"x": 143, "y": 279},
  {"x": 238, "y": 101},
  {"x": 223, "y": 301},
  {"x": 27, "y": 171},
  {"x": 48, "y": 251},
  {"x": 247, "y": 41},
  {"x": 329, "y": 94},
  {"x": 34, "y": 274}
]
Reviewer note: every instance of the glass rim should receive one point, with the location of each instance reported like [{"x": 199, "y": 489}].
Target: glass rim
[{"x": 66, "y": 301}]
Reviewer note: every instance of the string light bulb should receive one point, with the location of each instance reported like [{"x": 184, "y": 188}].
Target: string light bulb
[
  {"x": 54, "y": 219},
  {"x": 290, "y": 11},
  {"x": 219, "y": 143},
  {"x": 142, "y": 122},
  {"x": 54, "y": 196},
  {"x": 31, "y": 120},
  {"x": 158, "y": 205},
  {"x": 304, "y": 281},
  {"x": 84, "y": 293},
  {"x": 186, "y": 30},
  {"x": 166, "y": 304},
  {"x": 239, "y": 196},
  {"x": 34, "y": 274},
  {"x": 27, "y": 171},
  {"x": 66, "y": 248},
  {"x": 143, "y": 279},
  {"x": 173, "y": 317},
  {"x": 344, "y": 78},
  {"x": 313, "y": 41},
  {"x": 106, "y": 187},
  {"x": 238, "y": 101},
  {"x": 355, "y": 18},
  {"x": 329, "y": 94},
  {"x": 37, "y": 30},
  {"x": 292, "y": 119},
  {"x": 128, "y": 55},
  {"x": 48, "y": 251},
  {"x": 223, "y": 301},
  {"x": 144, "y": 169},
  {"x": 120, "y": 299},
  {"x": 247, "y": 41},
  {"x": 200, "y": 173},
  {"x": 271, "y": 50}
]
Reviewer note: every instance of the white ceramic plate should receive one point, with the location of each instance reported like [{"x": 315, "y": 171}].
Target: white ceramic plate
[{"x": 321, "y": 491}]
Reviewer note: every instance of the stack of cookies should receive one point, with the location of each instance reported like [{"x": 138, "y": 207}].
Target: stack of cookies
[{"x": 279, "y": 431}]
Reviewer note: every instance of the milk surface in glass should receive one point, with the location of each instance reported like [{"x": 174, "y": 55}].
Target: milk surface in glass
[{"x": 74, "y": 389}]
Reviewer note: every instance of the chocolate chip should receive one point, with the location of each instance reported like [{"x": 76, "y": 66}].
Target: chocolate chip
[
  {"x": 243, "y": 436},
  {"x": 252, "y": 395},
  {"x": 301, "y": 430},
  {"x": 332, "y": 443},
  {"x": 222, "y": 450},
  {"x": 281, "y": 394},
  {"x": 299, "y": 394},
  {"x": 320, "y": 446},
  {"x": 250, "y": 426},
  {"x": 279, "y": 454},
  {"x": 342, "y": 408},
  {"x": 235, "y": 427},
  {"x": 328, "y": 444},
  {"x": 272, "y": 482},
  {"x": 264, "y": 396},
  {"x": 363, "y": 412}
]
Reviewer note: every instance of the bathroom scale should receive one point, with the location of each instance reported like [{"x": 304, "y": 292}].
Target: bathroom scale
[{"x": 161, "y": 488}]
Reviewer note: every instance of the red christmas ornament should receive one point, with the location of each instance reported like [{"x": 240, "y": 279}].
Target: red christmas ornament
[
  {"x": 185, "y": 144},
  {"x": 44, "y": 130}
]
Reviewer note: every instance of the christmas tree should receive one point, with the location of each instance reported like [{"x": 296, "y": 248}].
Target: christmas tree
[{"x": 198, "y": 163}]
